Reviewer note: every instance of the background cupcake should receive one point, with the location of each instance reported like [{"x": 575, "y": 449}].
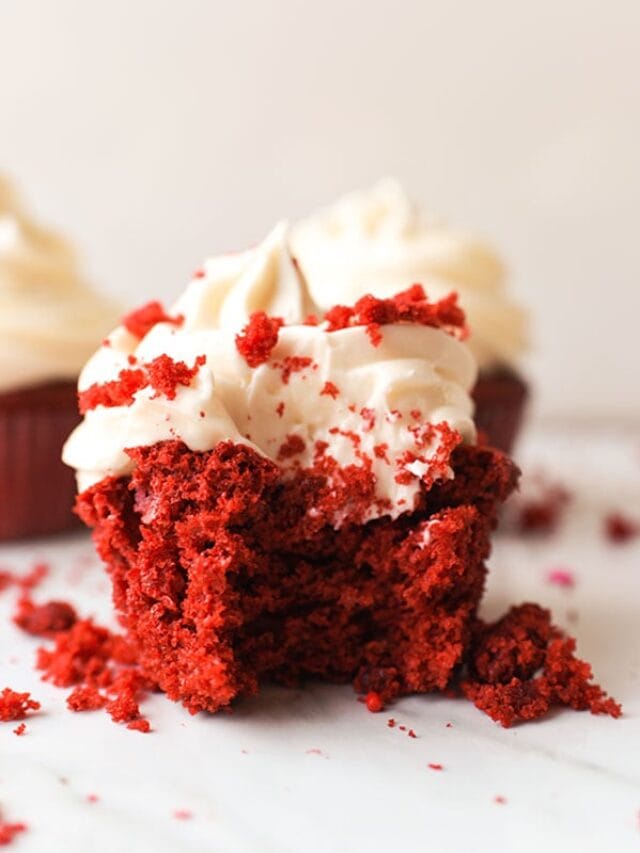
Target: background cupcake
[
  {"x": 377, "y": 241},
  {"x": 50, "y": 322}
]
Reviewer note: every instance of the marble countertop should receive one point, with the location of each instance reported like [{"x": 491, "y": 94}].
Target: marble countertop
[{"x": 310, "y": 769}]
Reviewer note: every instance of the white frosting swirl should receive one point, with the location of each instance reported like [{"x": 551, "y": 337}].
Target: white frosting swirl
[
  {"x": 50, "y": 321},
  {"x": 370, "y": 402},
  {"x": 378, "y": 242}
]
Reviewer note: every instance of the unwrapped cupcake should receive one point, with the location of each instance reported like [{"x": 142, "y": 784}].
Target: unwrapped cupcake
[
  {"x": 377, "y": 241},
  {"x": 50, "y": 322}
]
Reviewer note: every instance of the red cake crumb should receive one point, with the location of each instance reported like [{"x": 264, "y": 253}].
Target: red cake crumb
[
  {"x": 16, "y": 706},
  {"x": 433, "y": 766},
  {"x": 374, "y": 702},
  {"x": 140, "y": 321},
  {"x": 100, "y": 667},
  {"x": 412, "y": 734},
  {"x": 561, "y": 577},
  {"x": 391, "y": 723},
  {"x": 20, "y": 730},
  {"x": 280, "y": 409},
  {"x": 8, "y": 831},
  {"x": 500, "y": 800},
  {"x": 291, "y": 446},
  {"x": 330, "y": 390},
  {"x": 409, "y": 306},
  {"x": 44, "y": 620},
  {"x": 522, "y": 665},
  {"x": 163, "y": 374},
  {"x": 118, "y": 392},
  {"x": 92, "y": 798},
  {"x": 543, "y": 514},
  {"x": 182, "y": 814},
  {"x": 619, "y": 528},
  {"x": 258, "y": 338},
  {"x": 293, "y": 364}
]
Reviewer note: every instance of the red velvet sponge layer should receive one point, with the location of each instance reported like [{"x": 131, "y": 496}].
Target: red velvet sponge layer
[
  {"x": 37, "y": 491},
  {"x": 226, "y": 574}
]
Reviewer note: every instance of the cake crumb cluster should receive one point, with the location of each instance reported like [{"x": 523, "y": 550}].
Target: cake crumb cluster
[
  {"x": 16, "y": 706},
  {"x": 522, "y": 665},
  {"x": 140, "y": 321},
  {"x": 162, "y": 374}
]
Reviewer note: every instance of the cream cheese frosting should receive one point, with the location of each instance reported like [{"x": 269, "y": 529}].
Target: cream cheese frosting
[
  {"x": 377, "y": 241},
  {"x": 50, "y": 320},
  {"x": 334, "y": 390}
]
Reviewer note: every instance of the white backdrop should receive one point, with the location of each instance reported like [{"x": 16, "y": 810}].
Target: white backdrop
[{"x": 157, "y": 132}]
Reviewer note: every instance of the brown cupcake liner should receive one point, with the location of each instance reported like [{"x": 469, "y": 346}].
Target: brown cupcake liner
[
  {"x": 37, "y": 490},
  {"x": 500, "y": 397}
]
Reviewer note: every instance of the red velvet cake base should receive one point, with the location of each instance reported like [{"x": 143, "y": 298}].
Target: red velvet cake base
[
  {"x": 37, "y": 491},
  {"x": 225, "y": 574},
  {"x": 500, "y": 397}
]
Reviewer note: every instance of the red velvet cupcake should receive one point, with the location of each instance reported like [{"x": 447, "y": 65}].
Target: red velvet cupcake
[
  {"x": 377, "y": 241},
  {"x": 49, "y": 324},
  {"x": 283, "y": 496}
]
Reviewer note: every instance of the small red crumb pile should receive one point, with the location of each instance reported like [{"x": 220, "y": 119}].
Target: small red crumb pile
[
  {"x": 163, "y": 374},
  {"x": 8, "y": 831},
  {"x": 143, "y": 319},
  {"x": 99, "y": 665},
  {"x": 409, "y": 306},
  {"x": 16, "y": 706},
  {"x": 258, "y": 338},
  {"x": 521, "y": 666}
]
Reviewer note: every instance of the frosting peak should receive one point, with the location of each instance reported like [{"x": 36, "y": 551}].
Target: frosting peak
[
  {"x": 49, "y": 319},
  {"x": 378, "y": 241}
]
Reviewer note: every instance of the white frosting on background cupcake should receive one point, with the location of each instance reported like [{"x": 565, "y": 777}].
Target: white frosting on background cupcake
[
  {"x": 50, "y": 320},
  {"x": 377, "y": 241}
]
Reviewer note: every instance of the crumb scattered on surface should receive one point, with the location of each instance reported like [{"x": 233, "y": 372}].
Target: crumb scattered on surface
[{"x": 16, "y": 706}]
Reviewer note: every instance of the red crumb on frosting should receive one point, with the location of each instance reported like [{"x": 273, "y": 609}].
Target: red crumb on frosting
[
  {"x": 409, "y": 306},
  {"x": 293, "y": 364},
  {"x": 330, "y": 390},
  {"x": 619, "y": 528},
  {"x": 20, "y": 730},
  {"x": 521, "y": 666},
  {"x": 44, "y": 620},
  {"x": 500, "y": 800},
  {"x": 8, "y": 831},
  {"x": 257, "y": 340},
  {"x": 182, "y": 814},
  {"x": 163, "y": 374},
  {"x": 391, "y": 723},
  {"x": 140, "y": 321},
  {"x": 92, "y": 798},
  {"x": 433, "y": 766},
  {"x": 291, "y": 446},
  {"x": 374, "y": 702},
  {"x": 16, "y": 706},
  {"x": 561, "y": 577},
  {"x": 118, "y": 392}
]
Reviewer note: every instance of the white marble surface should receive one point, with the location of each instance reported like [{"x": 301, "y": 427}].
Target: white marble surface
[{"x": 311, "y": 770}]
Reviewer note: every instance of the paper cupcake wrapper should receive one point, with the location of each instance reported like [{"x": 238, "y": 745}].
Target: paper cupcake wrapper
[
  {"x": 500, "y": 400},
  {"x": 37, "y": 490}
]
